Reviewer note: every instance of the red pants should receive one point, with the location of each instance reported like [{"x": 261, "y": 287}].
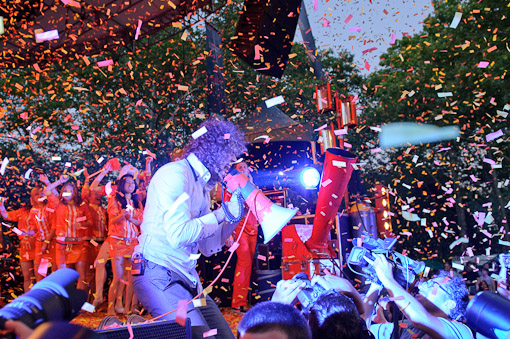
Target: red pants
[{"x": 245, "y": 253}]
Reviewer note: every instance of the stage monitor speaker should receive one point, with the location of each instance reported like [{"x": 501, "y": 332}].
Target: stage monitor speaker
[
  {"x": 156, "y": 330},
  {"x": 264, "y": 34}
]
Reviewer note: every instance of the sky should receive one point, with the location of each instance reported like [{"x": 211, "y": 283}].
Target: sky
[{"x": 372, "y": 24}]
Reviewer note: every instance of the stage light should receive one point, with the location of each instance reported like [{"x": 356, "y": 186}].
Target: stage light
[{"x": 310, "y": 177}]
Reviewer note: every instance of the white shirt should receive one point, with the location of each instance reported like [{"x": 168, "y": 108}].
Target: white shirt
[{"x": 178, "y": 221}]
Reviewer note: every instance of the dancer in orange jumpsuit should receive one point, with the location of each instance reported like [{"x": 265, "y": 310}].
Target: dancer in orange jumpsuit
[
  {"x": 71, "y": 223},
  {"x": 125, "y": 215},
  {"x": 27, "y": 242},
  {"x": 40, "y": 217},
  {"x": 99, "y": 248},
  {"x": 245, "y": 252}
]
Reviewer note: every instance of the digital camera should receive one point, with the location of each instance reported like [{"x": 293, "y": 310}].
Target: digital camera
[
  {"x": 309, "y": 293},
  {"x": 405, "y": 270}
]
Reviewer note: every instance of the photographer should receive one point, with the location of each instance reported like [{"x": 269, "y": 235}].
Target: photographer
[
  {"x": 334, "y": 313},
  {"x": 435, "y": 310}
]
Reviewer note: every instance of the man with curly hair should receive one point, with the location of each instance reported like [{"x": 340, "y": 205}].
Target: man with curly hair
[
  {"x": 435, "y": 312},
  {"x": 178, "y": 222}
]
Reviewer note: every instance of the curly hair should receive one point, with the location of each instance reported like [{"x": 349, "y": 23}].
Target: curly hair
[
  {"x": 221, "y": 141},
  {"x": 457, "y": 291}
]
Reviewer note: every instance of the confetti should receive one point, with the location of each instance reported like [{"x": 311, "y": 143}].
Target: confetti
[
  {"x": 47, "y": 36},
  {"x": 201, "y": 131},
  {"x": 274, "y": 101},
  {"x": 456, "y": 20}
]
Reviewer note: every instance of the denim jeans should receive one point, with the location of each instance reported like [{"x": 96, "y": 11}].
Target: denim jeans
[{"x": 159, "y": 290}]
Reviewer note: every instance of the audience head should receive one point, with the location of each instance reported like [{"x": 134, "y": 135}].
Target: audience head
[
  {"x": 334, "y": 315},
  {"x": 274, "y": 321},
  {"x": 448, "y": 294}
]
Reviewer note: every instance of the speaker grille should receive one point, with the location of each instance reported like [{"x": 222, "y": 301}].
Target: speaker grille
[{"x": 155, "y": 330}]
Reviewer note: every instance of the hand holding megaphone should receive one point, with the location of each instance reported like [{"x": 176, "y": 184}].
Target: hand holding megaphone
[{"x": 272, "y": 218}]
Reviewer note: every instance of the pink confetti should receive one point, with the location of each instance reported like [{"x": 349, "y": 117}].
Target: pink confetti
[
  {"x": 375, "y": 150},
  {"x": 315, "y": 5},
  {"x": 393, "y": 38},
  {"x": 181, "y": 313},
  {"x": 105, "y": 63},
  {"x": 322, "y": 127},
  {"x": 139, "y": 102},
  {"x": 369, "y": 50},
  {"x": 258, "y": 49},
  {"x": 138, "y": 29},
  {"x": 489, "y": 161},
  {"x": 210, "y": 333},
  {"x": 326, "y": 182},
  {"x": 72, "y": 3},
  {"x": 348, "y": 19},
  {"x": 43, "y": 267},
  {"x": 367, "y": 66},
  {"x": 483, "y": 64},
  {"x": 79, "y": 137},
  {"x": 325, "y": 22},
  {"x": 354, "y": 29},
  {"x": 472, "y": 176},
  {"x": 47, "y": 36},
  {"x": 261, "y": 257},
  {"x": 495, "y": 135},
  {"x": 225, "y": 280},
  {"x": 226, "y": 136}
]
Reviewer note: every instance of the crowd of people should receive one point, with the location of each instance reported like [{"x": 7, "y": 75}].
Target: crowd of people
[
  {"x": 64, "y": 225},
  {"x": 154, "y": 228}
]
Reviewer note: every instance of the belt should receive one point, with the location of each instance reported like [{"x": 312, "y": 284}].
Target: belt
[
  {"x": 123, "y": 239},
  {"x": 98, "y": 239},
  {"x": 66, "y": 240}
]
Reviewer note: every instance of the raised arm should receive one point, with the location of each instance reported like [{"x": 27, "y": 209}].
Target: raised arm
[
  {"x": 3, "y": 211},
  {"x": 97, "y": 181},
  {"x": 410, "y": 306},
  {"x": 51, "y": 188},
  {"x": 341, "y": 285}
]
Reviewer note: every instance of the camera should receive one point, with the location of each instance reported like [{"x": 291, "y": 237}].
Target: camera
[
  {"x": 405, "y": 270},
  {"x": 53, "y": 298},
  {"x": 309, "y": 293}
]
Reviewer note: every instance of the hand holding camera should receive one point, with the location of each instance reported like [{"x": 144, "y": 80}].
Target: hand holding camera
[{"x": 287, "y": 291}]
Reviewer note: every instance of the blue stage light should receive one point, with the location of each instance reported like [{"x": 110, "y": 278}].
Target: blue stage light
[{"x": 310, "y": 177}]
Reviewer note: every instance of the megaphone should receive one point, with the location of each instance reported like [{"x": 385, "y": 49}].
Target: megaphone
[
  {"x": 487, "y": 313},
  {"x": 335, "y": 177},
  {"x": 271, "y": 217}
]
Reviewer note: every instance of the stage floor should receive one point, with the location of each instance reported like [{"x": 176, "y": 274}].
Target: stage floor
[{"x": 92, "y": 320}]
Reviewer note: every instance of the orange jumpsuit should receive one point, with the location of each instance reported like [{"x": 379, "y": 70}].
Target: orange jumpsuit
[
  {"x": 97, "y": 230},
  {"x": 27, "y": 240},
  {"x": 40, "y": 219},
  {"x": 123, "y": 235},
  {"x": 245, "y": 253},
  {"x": 71, "y": 224}
]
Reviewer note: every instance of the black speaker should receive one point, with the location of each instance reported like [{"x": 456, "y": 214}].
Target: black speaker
[
  {"x": 270, "y": 25},
  {"x": 155, "y": 330}
]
